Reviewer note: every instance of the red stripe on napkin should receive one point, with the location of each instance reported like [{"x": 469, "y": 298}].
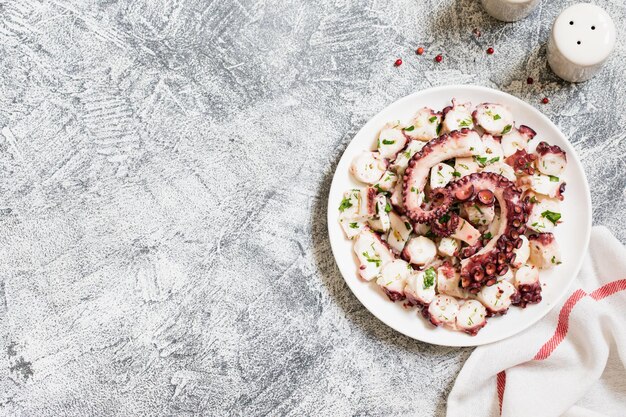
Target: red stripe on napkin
[
  {"x": 561, "y": 327},
  {"x": 501, "y": 386},
  {"x": 608, "y": 289}
]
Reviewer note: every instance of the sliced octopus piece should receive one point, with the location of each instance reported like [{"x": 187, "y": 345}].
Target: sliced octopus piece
[
  {"x": 425, "y": 125},
  {"x": 403, "y": 158},
  {"x": 522, "y": 162},
  {"x": 396, "y": 196},
  {"x": 372, "y": 253},
  {"x": 497, "y": 298},
  {"x": 514, "y": 139},
  {"x": 528, "y": 286},
  {"x": 458, "y": 116},
  {"x": 448, "y": 280},
  {"x": 501, "y": 168},
  {"x": 383, "y": 207},
  {"x": 420, "y": 287},
  {"x": 493, "y": 118},
  {"x": 544, "y": 250},
  {"x": 465, "y": 166},
  {"x": 399, "y": 232},
  {"x": 420, "y": 251},
  {"x": 448, "y": 246},
  {"x": 492, "y": 152},
  {"x": 421, "y": 229},
  {"x": 479, "y": 214},
  {"x": 442, "y": 311},
  {"x": 509, "y": 276},
  {"x": 376, "y": 225},
  {"x": 368, "y": 167},
  {"x": 547, "y": 185},
  {"x": 471, "y": 317},
  {"x": 522, "y": 254},
  {"x": 391, "y": 140},
  {"x": 352, "y": 227},
  {"x": 467, "y": 233},
  {"x": 440, "y": 175},
  {"x": 393, "y": 278},
  {"x": 387, "y": 183},
  {"x": 492, "y": 260},
  {"x": 457, "y": 144},
  {"x": 545, "y": 214},
  {"x": 552, "y": 159}
]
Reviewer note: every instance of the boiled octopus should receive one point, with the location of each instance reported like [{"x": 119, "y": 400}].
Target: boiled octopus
[
  {"x": 493, "y": 259},
  {"x": 459, "y": 143},
  {"x": 456, "y": 225}
]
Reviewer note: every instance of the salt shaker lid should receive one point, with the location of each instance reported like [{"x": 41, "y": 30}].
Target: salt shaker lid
[{"x": 585, "y": 34}]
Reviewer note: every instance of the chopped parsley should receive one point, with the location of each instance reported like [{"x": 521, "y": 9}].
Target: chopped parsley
[
  {"x": 506, "y": 129},
  {"x": 481, "y": 160},
  {"x": 465, "y": 122},
  {"x": 487, "y": 235},
  {"x": 496, "y": 117},
  {"x": 463, "y": 165},
  {"x": 374, "y": 260},
  {"x": 387, "y": 207},
  {"x": 354, "y": 225},
  {"x": 408, "y": 154},
  {"x": 553, "y": 178},
  {"x": 471, "y": 148},
  {"x": 410, "y": 128},
  {"x": 478, "y": 208},
  {"x": 433, "y": 119},
  {"x": 345, "y": 204},
  {"x": 444, "y": 218},
  {"x": 407, "y": 225},
  {"x": 456, "y": 174},
  {"x": 552, "y": 216},
  {"x": 388, "y": 142},
  {"x": 377, "y": 186},
  {"x": 439, "y": 127},
  {"x": 429, "y": 277},
  {"x": 440, "y": 174},
  {"x": 533, "y": 199}
]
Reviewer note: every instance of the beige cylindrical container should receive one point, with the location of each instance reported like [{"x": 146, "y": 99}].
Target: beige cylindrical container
[
  {"x": 509, "y": 10},
  {"x": 582, "y": 38}
]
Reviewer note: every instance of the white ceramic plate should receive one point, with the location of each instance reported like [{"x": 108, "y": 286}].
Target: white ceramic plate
[{"x": 572, "y": 235}]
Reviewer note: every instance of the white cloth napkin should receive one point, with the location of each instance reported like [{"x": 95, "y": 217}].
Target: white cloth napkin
[{"x": 571, "y": 363}]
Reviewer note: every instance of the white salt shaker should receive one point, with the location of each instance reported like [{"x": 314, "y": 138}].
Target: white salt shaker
[
  {"x": 509, "y": 10},
  {"x": 583, "y": 37}
]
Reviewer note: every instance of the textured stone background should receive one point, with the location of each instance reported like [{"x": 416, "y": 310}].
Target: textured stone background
[{"x": 164, "y": 172}]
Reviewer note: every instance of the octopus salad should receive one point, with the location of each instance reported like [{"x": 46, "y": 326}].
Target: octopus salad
[{"x": 455, "y": 213}]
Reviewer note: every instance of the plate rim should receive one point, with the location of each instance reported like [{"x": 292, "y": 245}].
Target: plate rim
[{"x": 588, "y": 211}]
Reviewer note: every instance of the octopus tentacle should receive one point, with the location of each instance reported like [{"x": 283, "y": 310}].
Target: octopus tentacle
[
  {"x": 459, "y": 143},
  {"x": 482, "y": 267},
  {"x": 522, "y": 162}
]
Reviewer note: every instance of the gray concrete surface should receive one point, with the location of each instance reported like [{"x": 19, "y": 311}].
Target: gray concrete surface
[{"x": 164, "y": 172}]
